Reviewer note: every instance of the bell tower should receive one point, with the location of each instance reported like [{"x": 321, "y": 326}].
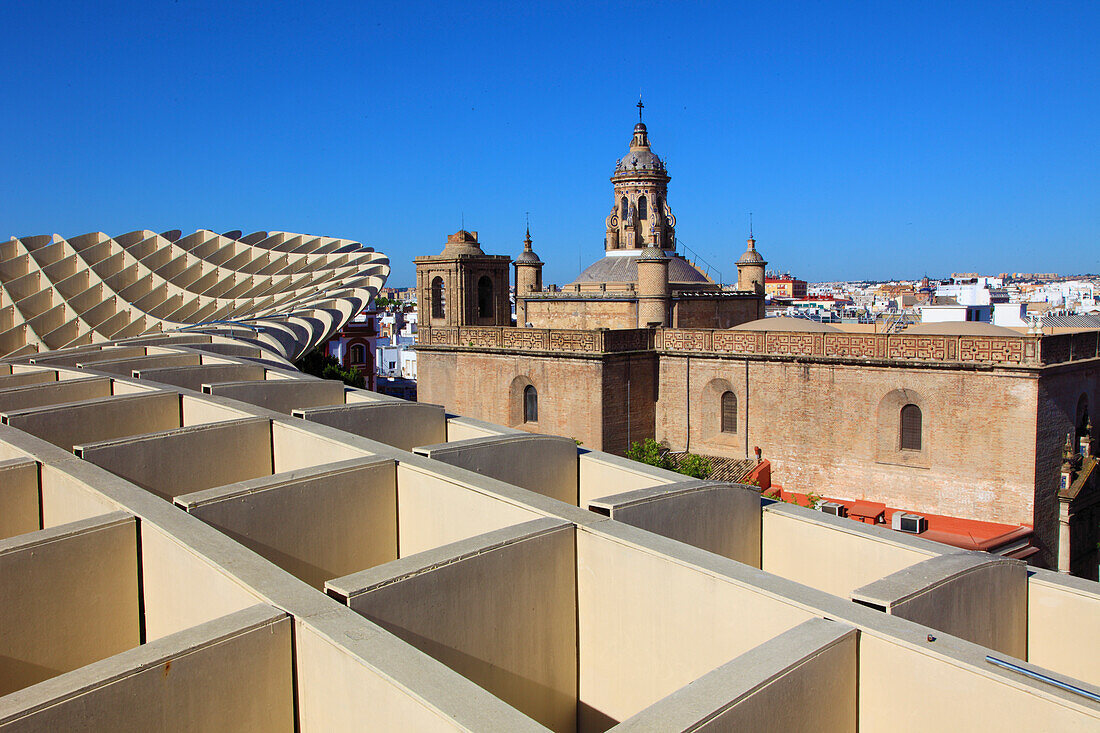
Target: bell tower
[
  {"x": 640, "y": 216},
  {"x": 463, "y": 286}
]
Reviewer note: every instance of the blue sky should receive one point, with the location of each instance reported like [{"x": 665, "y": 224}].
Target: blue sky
[{"x": 871, "y": 140}]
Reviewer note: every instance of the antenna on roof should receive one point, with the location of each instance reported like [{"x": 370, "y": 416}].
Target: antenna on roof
[
  {"x": 750, "y": 225},
  {"x": 463, "y": 215}
]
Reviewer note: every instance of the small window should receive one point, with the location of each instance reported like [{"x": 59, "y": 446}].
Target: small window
[
  {"x": 911, "y": 424},
  {"x": 484, "y": 297},
  {"x": 623, "y": 208},
  {"x": 438, "y": 298},
  {"x": 530, "y": 404},
  {"x": 729, "y": 412},
  {"x": 643, "y": 209},
  {"x": 356, "y": 354}
]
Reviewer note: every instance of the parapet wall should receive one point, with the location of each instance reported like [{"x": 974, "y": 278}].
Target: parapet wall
[{"x": 1023, "y": 350}]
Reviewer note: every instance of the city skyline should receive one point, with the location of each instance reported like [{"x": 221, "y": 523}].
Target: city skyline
[{"x": 870, "y": 142}]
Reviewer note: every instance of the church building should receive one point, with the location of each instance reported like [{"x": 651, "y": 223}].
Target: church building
[{"x": 959, "y": 419}]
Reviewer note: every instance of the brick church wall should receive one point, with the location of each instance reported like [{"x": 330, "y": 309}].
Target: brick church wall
[{"x": 832, "y": 428}]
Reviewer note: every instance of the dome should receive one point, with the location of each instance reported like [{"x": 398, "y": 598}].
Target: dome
[
  {"x": 653, "y": 253},
  {"x": 527, "y": 257},
  {"x": 462, "y": 242},
  {"x": 786, "y": 323},
  {"x": 751, "y": 257},
  {"x": 624, "y": 269},
  {"x": 639, "y": 157},
  {"x": 959, "y": 328}
]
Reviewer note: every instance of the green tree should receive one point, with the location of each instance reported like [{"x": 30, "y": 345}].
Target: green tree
[{"x": 322, "y": 365}]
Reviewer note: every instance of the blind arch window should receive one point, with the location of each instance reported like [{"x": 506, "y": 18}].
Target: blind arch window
[
  {"x": 729, "y": 412},
  {"x": 530, "y": 404},
  {"x": 911, "y": 427},
  {"x": 643, "y": 209}
]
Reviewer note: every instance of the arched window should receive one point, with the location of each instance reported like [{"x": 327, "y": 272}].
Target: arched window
[
  {"x": 438, "y": 298},
  {"x": 530, "y": 404},
  {"x": 729, "y": 412},
  {"x": 911, "y": 425},
  {"x": 356, "y": 354},
  {"x": 484, "y": 297},
  {"x": 624, "y": 207},
  {"x": 643, "y": 211}
]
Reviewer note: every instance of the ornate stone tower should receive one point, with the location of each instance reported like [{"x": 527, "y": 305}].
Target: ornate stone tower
[
  {"x": 750, "y": 269},
  {"x": 640, "y": 216},
  {"x": 653, "y": 290},
  {"x": 528, "y": 278},
  {"x": 463, "y": 286}
]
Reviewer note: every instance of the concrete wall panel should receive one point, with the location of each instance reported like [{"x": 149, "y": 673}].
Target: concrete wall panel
[
  {"x": 53, "y": 393},
  {"x": 545, "y": 464},
  {"x": 976, "y": 596},
  {"x": 904, "y": 689},
  {"x": 515, "y": 593},
  {"x": 181, "y": 589},
  {"x": 649, "y": 625},
  {"x": 316, "y": 524},
  {"x": 722, "y": 518},
  {"x": 835, "y": 556},
  {"x": 337, "y": 691},
  {"x": 602, "y": 474},
  {"x": 97, "y": 420},
  {"x": 66, "y": 499},
  {"x": 802, "y": 680},
  {"x": 297, "y": 447},
  {"x": 282, "y": 395},
  {"x": 164, "y": 462},
  {"x": 231, "y": 674},
  {"x": 82, "y": 605},
  {"x": 433, "y": 510},
  {"x": 403, "y": 425},
  {"x": 19, "y": 503},
  {"x": 1063, "y": 620}
]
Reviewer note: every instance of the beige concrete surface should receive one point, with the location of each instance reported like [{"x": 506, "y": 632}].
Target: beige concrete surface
[
  {"x": 602, "y": 474},
  {"x": 295, "y": 446},
  {"x": 649, "y": 625},
  {"x": 719, "y": 518},
  {"x": 82, "y": 606},
  {"x": 434, "y": 510},
  {"x": 194, "y": 377},
  {"x": 282, "y": 395},
  {"x": 504, "y": 586},
  {"x": 833, "y": 554},
  {"x": 802, "y": 680},
  {"x": 180, "y": 589},
  {"x": 162, "y": 462},
  {"x": 897, "y": 683},
  {"x": 545, "y": 464},
  {"x": 400, "y": 424},
  {"x": 1063, "y": 622},
  {"x": 52, "y": 393},
  {"x": 231, "y": 674},
  {"x": 972, "y": 595},
  {"x": 316, "y": 523},
  {"x": 19, "y": 503},
  {"x": 105, "y": 418}
]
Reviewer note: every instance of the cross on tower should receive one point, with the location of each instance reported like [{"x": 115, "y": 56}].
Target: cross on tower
[{"x": 640, "y": 106}]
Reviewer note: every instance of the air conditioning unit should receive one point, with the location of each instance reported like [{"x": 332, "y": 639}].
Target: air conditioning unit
[
  {"x": 912, "y": 523},
  {"x": 835, "y": 508}
]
